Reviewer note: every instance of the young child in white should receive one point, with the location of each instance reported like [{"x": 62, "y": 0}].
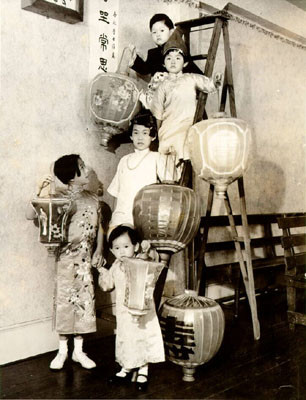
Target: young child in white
[
  {"x": 137, "y": 344},
  {"x": 174, "y": 102},
  {"x": 136, "y": 170},
  {"x": 74, "y": 295}
]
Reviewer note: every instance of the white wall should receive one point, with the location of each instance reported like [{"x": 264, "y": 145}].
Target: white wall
[{"x": 44, "y": 80}]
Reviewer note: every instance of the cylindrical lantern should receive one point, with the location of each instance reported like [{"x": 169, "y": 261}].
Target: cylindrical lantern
[
  {"x": 219, "y": 149},
  {"x": 52, "y": 213},
  {"x": 193, "y": 329},
  {"x": 141, "y": 277},
  {"x": 167, "y": 215}
]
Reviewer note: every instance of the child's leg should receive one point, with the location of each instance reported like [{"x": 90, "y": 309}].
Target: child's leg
[
  {"x": 59, "y": 360},
  {"x": 142, "y": 378},
  {"x": 79, "y": 356}
]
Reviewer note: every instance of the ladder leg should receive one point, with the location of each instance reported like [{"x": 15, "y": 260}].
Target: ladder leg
[
  {"x": 229, "y": 71},
  {"x": 245, "y": 268},
  {"x": 201, "y": 262}
]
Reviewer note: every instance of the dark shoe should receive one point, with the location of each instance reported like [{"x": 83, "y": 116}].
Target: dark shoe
[
  {"x": 121, "y": 380},
  {"x": 142, "y": 386}
]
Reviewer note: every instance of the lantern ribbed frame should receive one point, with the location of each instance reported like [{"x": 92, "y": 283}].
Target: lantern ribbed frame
[
  {"x": 195, "y": 322},
  {"x": 219, "y": 149},
  {"x": 167, "y": 215}
]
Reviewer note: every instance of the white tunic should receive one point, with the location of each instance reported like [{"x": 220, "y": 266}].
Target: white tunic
[
  {"x": 174, "y": 103},
  {"x": 134, "y": 171}
]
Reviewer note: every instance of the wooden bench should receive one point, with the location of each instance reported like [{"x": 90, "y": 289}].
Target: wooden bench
[{"x": 221, "y": 265}]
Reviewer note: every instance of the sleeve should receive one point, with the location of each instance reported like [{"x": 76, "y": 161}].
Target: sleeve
[
  {"x": 157, "y": 103},
  {"x": 165, "y": 167},
  {"x": 141, "y": 66},
  {"x": 106, "y": 279},
  {"x": 114, "y": 186},
  {"x": 204, "y": 83}
]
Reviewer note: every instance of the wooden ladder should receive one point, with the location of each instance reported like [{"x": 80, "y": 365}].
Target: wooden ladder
[{"x": 218, "y": 22}]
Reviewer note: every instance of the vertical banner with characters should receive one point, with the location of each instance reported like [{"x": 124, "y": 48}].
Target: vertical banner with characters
[{"x": 103, "y": 36}]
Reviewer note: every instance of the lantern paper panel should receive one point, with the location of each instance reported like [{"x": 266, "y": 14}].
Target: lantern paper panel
[
  {"x": 52, "y": 215},
  {"x": 141, "y": 278},
  {"x": 113, "y": 102},
  {"x": 193, "y": 329},
  {"x": 219, "y": 149},
  {"x": 167, "y": 215}
]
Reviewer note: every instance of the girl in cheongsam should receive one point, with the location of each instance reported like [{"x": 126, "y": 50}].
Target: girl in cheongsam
[{"x": 74, "y": 295}]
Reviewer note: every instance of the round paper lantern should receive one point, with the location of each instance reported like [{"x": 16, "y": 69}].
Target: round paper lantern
[
  {"x": 52, "y": 213},
  {"x": 167, "y": 215},
  {"x": 141, "y": 277},
  {"x": 113, "y": 102},
  {"x": 219, "y": 149},
  {"x": 193, "y": 329}
]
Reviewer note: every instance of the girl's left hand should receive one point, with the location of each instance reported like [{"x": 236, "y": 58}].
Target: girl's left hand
[{"x": 218, "y": 78}]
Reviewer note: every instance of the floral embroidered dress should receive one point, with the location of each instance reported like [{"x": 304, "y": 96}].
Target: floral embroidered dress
[
  {"x": 174, "y": 103},
  {"x": 136, "y": 343},
  {"x": 74, "y": 294}
]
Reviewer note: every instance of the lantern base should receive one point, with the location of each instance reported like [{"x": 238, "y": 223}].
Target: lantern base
[
  {"x": 188, "y": 374},
  {"x": 52, "y": 249}
]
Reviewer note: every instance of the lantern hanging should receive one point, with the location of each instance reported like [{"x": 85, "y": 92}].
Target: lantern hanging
[
  {"x": 114, "y": 100},
  {"x": 52, "y": 213},
  {"x": 167, "y": 215},
  {"x": 193, "y": 329},
  {"x": 219, "y": 149},
  {"x": 141, "y": 277}
]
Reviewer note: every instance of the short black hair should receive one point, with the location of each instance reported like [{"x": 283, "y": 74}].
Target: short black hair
[
  {"x": 145, "y": 118},
  {"x": 161, "y": 18},
  {"x": 121, "y": 230},
  {"x": 66, "y": 167}
]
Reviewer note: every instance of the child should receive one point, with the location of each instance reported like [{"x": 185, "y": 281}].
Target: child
[
  {"x": 74, "y": 300},
  {"x": 174, "y": 101},
  {"x": 137, "y": 344},
  {"x": 138, "y": 169},
  {"x": 161, "y": 28}
]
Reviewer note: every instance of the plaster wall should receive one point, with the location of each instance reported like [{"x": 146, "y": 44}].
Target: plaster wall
[{"x": 44, "y": 81}]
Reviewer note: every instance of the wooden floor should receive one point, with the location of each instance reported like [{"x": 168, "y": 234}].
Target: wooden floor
[{"x": 272, "y": 368}]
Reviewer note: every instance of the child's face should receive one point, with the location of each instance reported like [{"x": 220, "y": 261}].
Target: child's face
[
  {"x": 174, "y": 62},
  {"x": 141, "y": 137},
  {"x": 160, "y": 33},
  {"x": 83, "y": 179},
  {"x": 123, "y": 247}
]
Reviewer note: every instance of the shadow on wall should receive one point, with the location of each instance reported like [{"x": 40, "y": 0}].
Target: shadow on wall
[{"x": 267, "y": 186}]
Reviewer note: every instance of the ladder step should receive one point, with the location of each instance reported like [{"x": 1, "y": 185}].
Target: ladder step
[
  {"x": 199, "y": 57},
  {"x": 205, "y": 20}
]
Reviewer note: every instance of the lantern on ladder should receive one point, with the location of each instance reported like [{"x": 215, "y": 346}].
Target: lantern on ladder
[{"x": 219, "y": 149}]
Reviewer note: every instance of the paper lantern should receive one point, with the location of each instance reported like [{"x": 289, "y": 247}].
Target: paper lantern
[
  {"x": 193, "y": 329},
  {"x": 52, "y": 213},
  {"x": 113, "y": 102},
  {"x": 141, "y": 277},
  {"x": 219, "y": 149},
  {"x": 167, "y": 215}
]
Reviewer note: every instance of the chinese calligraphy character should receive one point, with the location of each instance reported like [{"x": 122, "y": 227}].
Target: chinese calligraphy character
[
  {"x": 103, "y": 64},
  {"x": 103, "y": 16},
  {"x": 103, "y": 41}
]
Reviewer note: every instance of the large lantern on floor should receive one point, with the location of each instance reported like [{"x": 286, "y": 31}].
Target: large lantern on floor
[
  {"x": 52, "y": 212},
  {"x": 141, "y": 277},
  {"x": 193, "y": 329},
  {"x": 113, "y": 101},
  {"x": 167, "y": 215},
  {"x": 219, "y": 149}
]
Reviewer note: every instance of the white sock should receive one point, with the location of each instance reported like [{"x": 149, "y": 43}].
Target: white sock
[
  {"x": 63, "y": 346},
  {"x": 142, "y": 371},
  {"x": 78, "y": 345},
  {"x": 123, "y": 372}
]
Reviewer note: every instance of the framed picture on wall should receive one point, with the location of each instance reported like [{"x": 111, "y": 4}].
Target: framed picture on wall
[{"x": 70, "y": 11}]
